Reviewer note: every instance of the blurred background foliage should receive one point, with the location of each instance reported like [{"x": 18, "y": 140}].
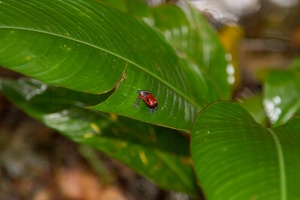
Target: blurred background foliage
[{"x": 37, "y": 163}]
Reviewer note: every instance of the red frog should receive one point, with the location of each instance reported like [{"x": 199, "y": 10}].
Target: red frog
[{"x": 148, "y": 98}]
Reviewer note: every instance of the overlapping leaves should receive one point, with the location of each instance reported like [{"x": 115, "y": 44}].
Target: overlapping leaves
[
  {"x": 237, "y": 158},
  {"x": 87, "y": 46},
  {"x": 155, "y": 152},
  {"x": 90, "y": 47}
]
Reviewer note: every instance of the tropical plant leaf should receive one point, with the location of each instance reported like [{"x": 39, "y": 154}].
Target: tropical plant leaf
[
  {"x": 281, "y": 95},
  {"x": 90, "y": 47},
  {"x": 190, "y": 33},
  {"x": 118, "y": 4},
  {"x": 157, "y": 153},
  {"x": 170, "y": 19},
  {"x": 237, "y": 158},
  {"x": 254, "y": 105}
]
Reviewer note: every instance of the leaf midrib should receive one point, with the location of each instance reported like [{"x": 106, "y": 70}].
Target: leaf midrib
[
  {"x": 281, "y": 165},
  {"x": 112, "y": 53}
]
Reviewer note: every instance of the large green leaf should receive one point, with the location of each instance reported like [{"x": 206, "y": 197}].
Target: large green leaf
[
  {"x": 281, "y": 95},
  {"x": 195, "y": 40},
  {"x": 237, "y": 158},
  {"x": 190, "y": 37},
  {"x": 86, "y": 46},
  {"x": 157, "y": 153},
  {"x": 198, "y": 42}
]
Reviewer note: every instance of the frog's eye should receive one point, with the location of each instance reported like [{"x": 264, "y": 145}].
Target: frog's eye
[{"x": 144, "y": 94}]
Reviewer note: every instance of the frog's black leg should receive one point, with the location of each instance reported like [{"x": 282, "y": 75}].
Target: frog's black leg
[{"x": 136, "y": 104}]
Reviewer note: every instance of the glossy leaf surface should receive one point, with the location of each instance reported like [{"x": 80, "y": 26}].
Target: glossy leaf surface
[
  {"x": 237, "y": 158},
  {"x": 189, "y": 32},
  {"x": 157, "y": 153},
  {"x": 90, "y": 47},
  {"x": 281, "y": 95}
]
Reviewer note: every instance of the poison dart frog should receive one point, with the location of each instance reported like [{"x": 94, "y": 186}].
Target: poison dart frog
[{"x": 148, "y": 98}]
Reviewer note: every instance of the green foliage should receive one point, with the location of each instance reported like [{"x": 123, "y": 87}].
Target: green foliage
[
  {"x": 279, "y": 85},
  {"x": 237, "y": 158},
  {"x": 92, "y": 58},
  {"x": 89, "y": 47},
  {"x": 155, "y": 152}
]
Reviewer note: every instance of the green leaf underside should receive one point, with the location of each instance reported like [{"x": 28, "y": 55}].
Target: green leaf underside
[
  {"x": 236, "y": 158},
  {"x": 86, "y": 46},
  {"x": 157, "y": 153}
]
